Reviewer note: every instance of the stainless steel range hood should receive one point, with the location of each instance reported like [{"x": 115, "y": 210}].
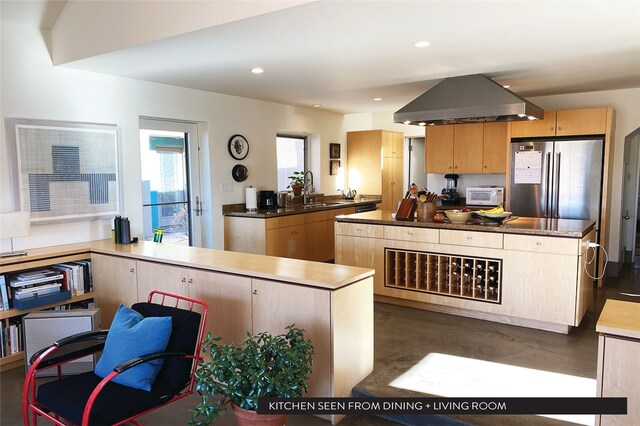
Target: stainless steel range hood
[{"x": 467, "y": 99}]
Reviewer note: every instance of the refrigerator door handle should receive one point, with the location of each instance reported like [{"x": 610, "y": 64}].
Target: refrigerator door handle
[
  {"x": 546, "y": 207},
  {"x": 557, "y": 186}
]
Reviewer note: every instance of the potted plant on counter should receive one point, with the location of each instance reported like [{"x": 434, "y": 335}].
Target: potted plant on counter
[
  {"x": 297, "y": 182},
  {"x": 261, "y": 366}
]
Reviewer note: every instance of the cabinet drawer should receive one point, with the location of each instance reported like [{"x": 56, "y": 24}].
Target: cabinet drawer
[
  {"x": 359, "y": 230},
  {"x": 404, "y": 233},
  {"x": 278, "y": 222},
  {"x": 538, "y": 244},
  {"x": 301, "y": 219},
  {"x": 471, "y": 239}
]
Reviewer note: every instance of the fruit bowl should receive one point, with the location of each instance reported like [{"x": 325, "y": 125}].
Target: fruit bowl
[
  {"x": 495, "y": 217},
  {"x": 457, "y": 216}
]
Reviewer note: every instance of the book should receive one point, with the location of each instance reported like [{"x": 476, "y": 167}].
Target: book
[
  {"x": 4, "y": 292},
  {"x": 36, "y": 291},
  {"x": 39, "y": 273},
  {"x": 13, "y": 339},
  {"x": 15, "y": 283},
  {"x": 87, "y": 274},
  {"x": 75, "y": 278},
  {"x": 66, "y": 272}
]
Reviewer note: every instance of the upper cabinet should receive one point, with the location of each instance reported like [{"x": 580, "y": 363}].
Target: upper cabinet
[
  {"x": 574, "y": 122},
  {"x": 466, "y": 148},
  {"x": 392, "y": 144}
]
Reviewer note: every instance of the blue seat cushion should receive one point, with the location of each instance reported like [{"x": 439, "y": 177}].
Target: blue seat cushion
[
  {"x": 68, "y": 397},
  {"x": 132, "y": 335}
]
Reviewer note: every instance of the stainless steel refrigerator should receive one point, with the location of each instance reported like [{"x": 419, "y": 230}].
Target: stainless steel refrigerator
[{"x": 557, "y": 178}]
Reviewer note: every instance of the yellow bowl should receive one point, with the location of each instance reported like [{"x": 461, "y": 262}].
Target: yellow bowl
[{"x": 457, "y": 216}]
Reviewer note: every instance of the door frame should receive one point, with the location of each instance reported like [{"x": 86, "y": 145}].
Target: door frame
[
  {"x": 192, "y": 145},
  {"x": 627, "y": 228}
]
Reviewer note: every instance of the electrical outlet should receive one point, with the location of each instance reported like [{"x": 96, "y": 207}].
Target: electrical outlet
[{"x": 226, "y": 187}]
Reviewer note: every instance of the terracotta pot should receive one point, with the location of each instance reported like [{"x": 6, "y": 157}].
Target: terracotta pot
[
  {"x": 251, "y": 418},
  {"x": 297, "y": 189}
]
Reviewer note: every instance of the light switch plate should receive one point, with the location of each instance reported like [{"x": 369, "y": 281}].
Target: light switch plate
[{"x": 226, "y": 187}]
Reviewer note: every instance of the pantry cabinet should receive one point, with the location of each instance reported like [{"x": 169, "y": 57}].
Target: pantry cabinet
[
  {"x": 466, "y": 148},
  {"x": 591, "y": 121},
  {"x": 375, "y": 164}
]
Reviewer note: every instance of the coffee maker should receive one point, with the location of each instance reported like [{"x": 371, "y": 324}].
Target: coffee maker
[
  {"x": 450, "y": 190},
  {"x": 267, "y": 200}
]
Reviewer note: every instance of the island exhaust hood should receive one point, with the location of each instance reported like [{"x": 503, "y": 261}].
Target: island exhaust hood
[{"x": 467, "y": 99}]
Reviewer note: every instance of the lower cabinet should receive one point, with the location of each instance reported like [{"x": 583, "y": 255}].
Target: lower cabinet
[
  {"x": 305, "y": 236},
  {"x": 114, "y": 282},
  {"x": 273, "y": 310},
  {"x": 227, "y": 296}
]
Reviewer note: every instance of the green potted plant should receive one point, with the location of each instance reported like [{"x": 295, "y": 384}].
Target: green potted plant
[
  {"x": 261, "y": 366},
  {"x": 297, "y": 182}
]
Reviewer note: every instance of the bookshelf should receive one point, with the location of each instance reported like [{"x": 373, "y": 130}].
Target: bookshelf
[{"x": 35, "y": 259}]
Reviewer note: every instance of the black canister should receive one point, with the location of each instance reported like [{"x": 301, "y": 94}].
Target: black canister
[{"x": 267, "y": 200}]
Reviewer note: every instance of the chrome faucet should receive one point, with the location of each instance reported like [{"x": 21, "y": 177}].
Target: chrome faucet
[{"x": 308, "y": 187}]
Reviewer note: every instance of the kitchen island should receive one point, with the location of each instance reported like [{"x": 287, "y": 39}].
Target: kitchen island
[{"x": 531, "y": 272}]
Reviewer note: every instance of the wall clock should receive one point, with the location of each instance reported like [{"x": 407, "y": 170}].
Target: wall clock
[
  {"x": 239, "y": 173},
  {"x": 238, "y": 147}
]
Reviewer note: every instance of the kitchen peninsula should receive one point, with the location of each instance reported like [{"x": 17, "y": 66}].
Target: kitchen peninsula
[
  {"x": 245, "y": 293},
  {"x": 531, "y": 272}
]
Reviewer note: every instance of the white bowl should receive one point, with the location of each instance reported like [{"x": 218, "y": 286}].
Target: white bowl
[{"x": 457, "y": 216}]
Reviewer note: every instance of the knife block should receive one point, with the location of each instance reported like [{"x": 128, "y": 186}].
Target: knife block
[{"x": 406, "y": 210}]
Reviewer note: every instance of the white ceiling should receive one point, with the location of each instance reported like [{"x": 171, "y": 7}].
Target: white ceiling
[{"x": 342, "y": 54}]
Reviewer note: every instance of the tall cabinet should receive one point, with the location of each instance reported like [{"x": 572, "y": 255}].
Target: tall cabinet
[{"x": 375, "y": 164}]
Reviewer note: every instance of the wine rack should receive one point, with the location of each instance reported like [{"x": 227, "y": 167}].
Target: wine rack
[{"x": 457, "y": 276}]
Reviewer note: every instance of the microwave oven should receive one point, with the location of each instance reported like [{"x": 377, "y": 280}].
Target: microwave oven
[{"x": 484, "y": 196}]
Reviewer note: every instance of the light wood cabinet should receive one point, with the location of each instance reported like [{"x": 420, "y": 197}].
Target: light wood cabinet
[
  {"x": 438, "y": 150},
  {"x": 592, "y": 121},
  {"x": 618, "y": 371},
  {"x": 392, "y": 188},
  {"x": 495, "y": 148},
  {"x": 306, "y": 236},
  {"x": 228, "y": 296},
  {"x": 375, "y": 164},
  {"x": 114, "y": 282},
  {"x": 466, "y": 148}
]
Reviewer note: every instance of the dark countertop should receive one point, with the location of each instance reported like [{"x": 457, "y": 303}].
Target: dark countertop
[
  {"x": 568, "y": 228},
  {"x": 239, "y": 210}
]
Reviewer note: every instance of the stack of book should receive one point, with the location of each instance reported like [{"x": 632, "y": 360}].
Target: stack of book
[
  {"x": 11, "y": 338},
  {"x": 38, "y": 287},
  {"x": 56, "y": 283}
]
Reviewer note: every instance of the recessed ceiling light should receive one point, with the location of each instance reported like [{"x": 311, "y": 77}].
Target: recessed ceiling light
[
  {"x": 506, "y": 86},
  {"x": 257, "y": 70},
  {"x": 316, "y": 105},
  {"x": 422, "y": 44},
  {"x": 377, "y": 99}
]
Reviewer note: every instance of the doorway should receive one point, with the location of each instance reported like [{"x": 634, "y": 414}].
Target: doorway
[
  {"x": 414, "y": 162},
  {"x": 170, "y": 172},
  {"x": 630, "y": 226}
]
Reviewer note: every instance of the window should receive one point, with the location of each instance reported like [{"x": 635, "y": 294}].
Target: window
[{"x": 290, "y": 158}]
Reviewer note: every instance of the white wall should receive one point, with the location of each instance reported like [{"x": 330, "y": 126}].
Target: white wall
[{"x": 32, "y": 88}]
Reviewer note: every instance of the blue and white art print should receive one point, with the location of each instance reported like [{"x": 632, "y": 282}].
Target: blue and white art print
[{"x": 68, "y": 173}]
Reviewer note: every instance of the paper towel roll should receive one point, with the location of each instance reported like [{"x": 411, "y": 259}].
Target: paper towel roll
[{"x": 251, "y": 198}]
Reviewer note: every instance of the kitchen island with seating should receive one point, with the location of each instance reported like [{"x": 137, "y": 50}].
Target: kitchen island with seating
[{"x": 530, "y": 272}]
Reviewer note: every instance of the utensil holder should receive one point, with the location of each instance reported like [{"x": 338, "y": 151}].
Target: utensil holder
[{"x": 426, "y": 211}]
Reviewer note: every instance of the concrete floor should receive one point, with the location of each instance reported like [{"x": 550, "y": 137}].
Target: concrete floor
[{"x": 403, "y": 336}]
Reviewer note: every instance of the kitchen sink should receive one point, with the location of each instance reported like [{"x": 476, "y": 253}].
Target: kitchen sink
[{"x": 312, "y": 205}]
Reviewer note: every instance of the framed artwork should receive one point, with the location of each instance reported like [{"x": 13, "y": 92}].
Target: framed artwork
[
  {"x": 333, "y": 167},
  {"x": 238, "y": 147},
  {"x": 334, "y": 150},
  {"x": 66, "y": 170}
]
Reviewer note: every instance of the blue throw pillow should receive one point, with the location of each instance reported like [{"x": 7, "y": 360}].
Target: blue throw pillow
[{"x": 132, "y": 335}]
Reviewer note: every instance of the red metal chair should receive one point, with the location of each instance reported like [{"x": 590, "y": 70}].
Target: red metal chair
[{"x": 89, "y": 399}]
